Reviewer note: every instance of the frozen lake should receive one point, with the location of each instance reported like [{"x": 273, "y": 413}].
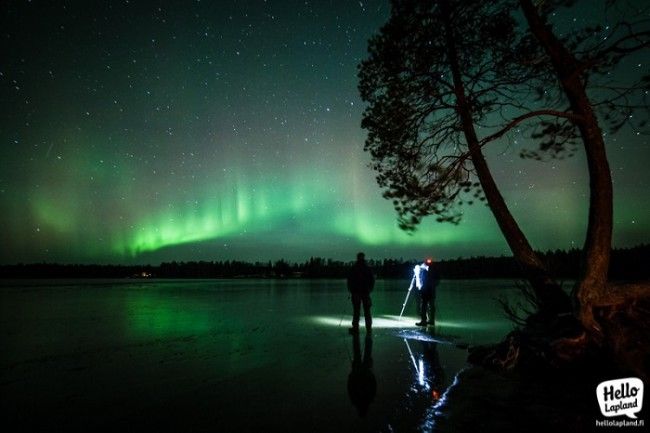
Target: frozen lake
[{"x": 230, "y": 355}]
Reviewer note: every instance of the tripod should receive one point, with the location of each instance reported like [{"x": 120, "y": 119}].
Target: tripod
[{"x": 407, "y": 296}]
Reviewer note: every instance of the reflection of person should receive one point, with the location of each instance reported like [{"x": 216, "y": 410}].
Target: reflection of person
[
  {"x": 427, "y": 282},
  {"x": 360, "y": 284},
  {"x": 435, "y": 373},
  {"x": 362, "y": 385}
]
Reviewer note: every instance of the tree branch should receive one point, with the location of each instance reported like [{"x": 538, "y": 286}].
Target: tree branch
[
  {"x": 517, "y": 120},
  {"x": 617, "y": 49}
]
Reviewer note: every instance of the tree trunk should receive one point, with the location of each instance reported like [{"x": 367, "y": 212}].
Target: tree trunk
[
  {"x": 598, "y": 242},
  {"x": 551, "y": 298}
]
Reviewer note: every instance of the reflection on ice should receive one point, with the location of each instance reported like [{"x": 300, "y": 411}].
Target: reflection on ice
[
  {"x": 429, "y": 378},
  {"x": 377, "y": 322},
  {"x": 204, "y": 349},
  {"x": 362, "y": 384},
  {"x": 435, "y": 410},
  {"x": 395, "y": 322},
  {"x": 411, "y": 334},
  {"x": 419, "y": 367}
]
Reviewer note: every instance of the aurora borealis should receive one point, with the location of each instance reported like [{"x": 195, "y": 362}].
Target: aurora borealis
[{"x": 141, "y": 131}]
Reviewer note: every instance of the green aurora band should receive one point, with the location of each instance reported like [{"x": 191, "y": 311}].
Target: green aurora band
[
  {"x": 92, "y": 207},
  {"x": 251, "y": 209},
  {"x": 236, "y": 209}
]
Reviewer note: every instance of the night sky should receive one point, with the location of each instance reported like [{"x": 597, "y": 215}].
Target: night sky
[{"x": 143, "y": 131}]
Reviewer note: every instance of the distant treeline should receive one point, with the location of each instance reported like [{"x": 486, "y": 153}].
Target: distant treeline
[{"x": 626, "y": 264}]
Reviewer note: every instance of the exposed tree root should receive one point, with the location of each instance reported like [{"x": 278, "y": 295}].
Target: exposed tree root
[{"x": 620, "y": 341}]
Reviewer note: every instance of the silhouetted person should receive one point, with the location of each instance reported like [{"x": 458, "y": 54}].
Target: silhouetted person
[
  {"x": 360, "y": 284},
  {"x": 428, "y": 279},
  {"x": 362, "y": 385}
]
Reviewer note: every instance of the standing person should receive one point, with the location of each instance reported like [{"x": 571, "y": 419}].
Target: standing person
[
  {"x": 428, "y": 281},
  {"x": 360, "y": 284}
]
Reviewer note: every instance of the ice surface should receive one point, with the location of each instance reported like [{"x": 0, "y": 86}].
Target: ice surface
[{"x": 228, "y": 355}]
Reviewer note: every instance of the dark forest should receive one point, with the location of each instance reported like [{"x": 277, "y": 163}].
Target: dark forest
[{"x": 627, "y": 263}]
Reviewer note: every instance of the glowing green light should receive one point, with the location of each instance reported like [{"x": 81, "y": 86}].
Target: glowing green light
[
  {"x": 310, "y": 205},
  {"x": 154, "y": 315},
  {"x": 238, "y": 209},
  {"x": 55, "y": 214},
  {"x": 373, "y": 228}
]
